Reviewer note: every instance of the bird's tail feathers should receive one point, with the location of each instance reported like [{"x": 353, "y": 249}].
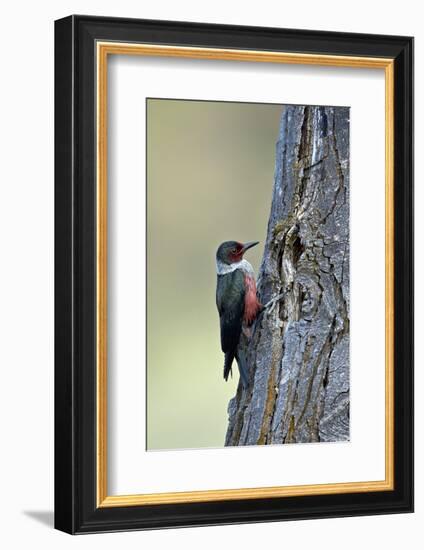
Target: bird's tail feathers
[
  {"x": 243, "y": 371},
  {"x": 229, "y": 358}
]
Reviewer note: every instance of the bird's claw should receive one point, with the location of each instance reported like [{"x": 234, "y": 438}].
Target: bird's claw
[{"x": 272, "y": 303}]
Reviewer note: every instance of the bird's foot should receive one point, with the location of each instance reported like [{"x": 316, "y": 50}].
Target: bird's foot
[
  {"x": 271, "y": 304},
  {"x": 247, "y": 331}
]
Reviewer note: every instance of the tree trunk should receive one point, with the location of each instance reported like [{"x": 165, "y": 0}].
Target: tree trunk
[{"x": 298, "y": 353}]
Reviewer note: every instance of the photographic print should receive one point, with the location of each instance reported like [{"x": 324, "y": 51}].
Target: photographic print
[
  {"x": 218, "y": 287},
  {"x": 247, "y": 274}
]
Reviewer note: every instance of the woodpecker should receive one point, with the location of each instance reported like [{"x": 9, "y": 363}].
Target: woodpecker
[{"x": 236, "y": 301}]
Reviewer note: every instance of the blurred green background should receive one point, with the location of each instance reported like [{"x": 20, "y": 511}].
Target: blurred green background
[{"x": 210, "y": 170}]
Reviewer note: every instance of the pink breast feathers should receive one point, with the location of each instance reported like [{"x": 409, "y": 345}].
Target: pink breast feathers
[{"x": 251, "y": 304}]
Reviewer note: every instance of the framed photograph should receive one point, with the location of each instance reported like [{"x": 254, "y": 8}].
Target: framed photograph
[{"x": 234, "y": 269}]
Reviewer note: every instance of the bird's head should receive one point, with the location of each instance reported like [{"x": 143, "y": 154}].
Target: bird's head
[{"x": 231, "y": 252}]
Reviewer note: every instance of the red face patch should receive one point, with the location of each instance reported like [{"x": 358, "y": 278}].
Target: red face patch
[{"x": 236, "y": 254}]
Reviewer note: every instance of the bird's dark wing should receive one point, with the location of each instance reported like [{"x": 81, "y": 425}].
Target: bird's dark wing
[{"x": 230, "y": 292}]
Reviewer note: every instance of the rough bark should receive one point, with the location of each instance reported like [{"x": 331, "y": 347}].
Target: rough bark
[{"x": 298, "y": 353}]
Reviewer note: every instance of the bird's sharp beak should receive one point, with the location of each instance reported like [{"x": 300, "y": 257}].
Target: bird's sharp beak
[{"x": 248, "y": 245}]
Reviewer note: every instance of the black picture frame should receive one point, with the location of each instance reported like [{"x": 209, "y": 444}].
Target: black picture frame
[{"x": 76, "y": 510}]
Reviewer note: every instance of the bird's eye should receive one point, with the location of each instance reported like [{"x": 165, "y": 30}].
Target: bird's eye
[{"x": 234, "y": 251}]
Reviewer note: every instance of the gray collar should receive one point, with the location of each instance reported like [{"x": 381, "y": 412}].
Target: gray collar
[{"x": 223, "y": 269}]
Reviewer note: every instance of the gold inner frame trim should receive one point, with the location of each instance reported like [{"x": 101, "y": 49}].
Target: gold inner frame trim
[{"x": 103, "y": 50}]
